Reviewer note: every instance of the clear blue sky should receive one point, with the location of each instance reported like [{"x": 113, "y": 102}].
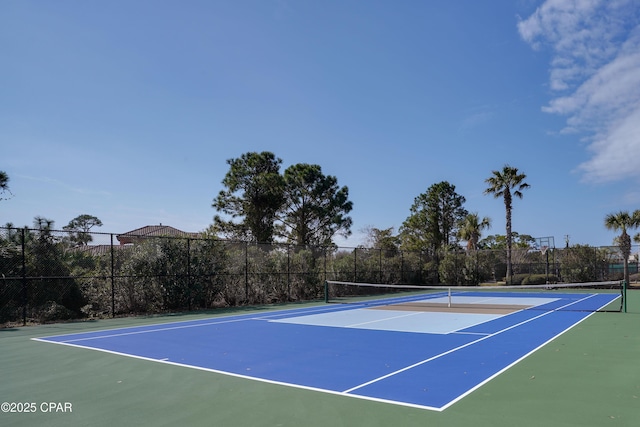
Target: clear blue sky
[{"x": 128, "y": 110}]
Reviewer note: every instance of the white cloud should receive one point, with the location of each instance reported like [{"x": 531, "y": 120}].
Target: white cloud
[
  {"x": 594, "y": 71},
  {"x": 615, "y": 151}
]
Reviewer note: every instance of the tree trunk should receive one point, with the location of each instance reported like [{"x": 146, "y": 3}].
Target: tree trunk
[
  {"x": 507, "y": 202},
  {"x": 625, "y": 245}
]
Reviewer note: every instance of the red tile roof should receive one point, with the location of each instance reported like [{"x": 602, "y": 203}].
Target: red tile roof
[
  {"x": 153, "y": 231},
  {"x": 95, "y": 250}
]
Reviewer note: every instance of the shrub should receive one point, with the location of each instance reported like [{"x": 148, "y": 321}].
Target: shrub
[
  {"x": 517, "y": 279},
  {"x": 539, "y": 279}
]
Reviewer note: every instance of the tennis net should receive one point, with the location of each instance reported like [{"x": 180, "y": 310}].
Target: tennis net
[{"x": 592, "y": 297}]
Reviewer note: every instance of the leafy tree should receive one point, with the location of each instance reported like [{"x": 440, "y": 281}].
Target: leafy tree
[
  {"x": 79, "y": 229},
  {"x": 471, "y": 228},
  {"x": 382, "y": 239},
  {"x": 10, "y": 234},
  {"x": 44, "y": 226},
  {"x": 315, "y": 206},
  {"x": 4, "y": 184},
  {"x": 636, "y": 238},
  {"x": 57, "y": 295},
  {"x": 507, "y": 183},
  {"x": 432, "y": 225},
  {"x": 434, "y": 218},
  {"x": 255, "y": 193},
  {"x": 583, "y": 263},
  {"x": 480, "y": 266},
  {"x": 499, "y": 241},
  {"x": 451, "y": 269},
  {"x": 623, "y": 221}
]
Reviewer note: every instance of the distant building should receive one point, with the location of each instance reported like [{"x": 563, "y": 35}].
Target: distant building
[
  {"x": 94, "y": 250},
  {"x": 139, "y": 234}
]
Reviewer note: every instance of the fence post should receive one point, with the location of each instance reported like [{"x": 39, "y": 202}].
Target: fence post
[
  {"x": 246, "y": 271},
  {"x": 380, "y": 264},
  {"x": 324, "y": 253},
  {"x": 189, "y": 273},
  {"x": 288, "y": 272},
  {"x": 24, "y": 278},
  {"x": 113, "y": 280},
  {"x": 355, "y": 265}
]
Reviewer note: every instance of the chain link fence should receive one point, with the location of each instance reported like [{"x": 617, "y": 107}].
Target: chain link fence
[{"x": 45, "y": 275}]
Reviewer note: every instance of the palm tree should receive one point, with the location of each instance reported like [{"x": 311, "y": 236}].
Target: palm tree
[
  {"x": 507, "y": 183},
  {"x": 636, "y": 214},
  {"x": 623, "y": 221},
  {"x": 4, "y": 183},
  {"x": 471, "y": 229}
]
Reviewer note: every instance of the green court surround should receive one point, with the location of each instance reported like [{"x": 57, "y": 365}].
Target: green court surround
[{"x": 589, "y": 376}]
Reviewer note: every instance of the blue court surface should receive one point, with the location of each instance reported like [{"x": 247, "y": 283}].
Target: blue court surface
[{"x": 423, "y": 355}]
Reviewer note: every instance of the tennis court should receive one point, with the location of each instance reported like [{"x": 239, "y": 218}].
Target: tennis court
[
  {"x": 417, "y": 350},
  {"x": 302, "y": 364}
]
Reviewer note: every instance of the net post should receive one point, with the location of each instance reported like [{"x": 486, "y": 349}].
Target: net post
[
  {"x": 449, "y": 294},
  {"x": 326, "y": 292},
  {"x": 624, "y": 294}
]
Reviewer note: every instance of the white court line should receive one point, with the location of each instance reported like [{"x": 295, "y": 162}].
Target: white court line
[
  {"x": 470, "y": 333},
  {"x": 246, "y": 377},
  {"x": 148, "y": 331},
  {"x": 422, "y": 362},
  {"x": 192, "y": 324},
  {"x": 341, "y": 393},
  {"x": 381, "y": 320}
]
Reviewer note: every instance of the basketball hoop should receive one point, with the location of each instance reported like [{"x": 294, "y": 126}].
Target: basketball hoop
[{"x": 543, "y": 244}]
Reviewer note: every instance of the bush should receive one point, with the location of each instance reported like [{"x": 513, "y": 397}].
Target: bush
[
  {"x": 539, "y": 279},
  {"x": 517, "y": 279},
  {"x": 52, "y": 311},
  {"x": 500, "y": 270},
  {"x": 451, "y": 268}
]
